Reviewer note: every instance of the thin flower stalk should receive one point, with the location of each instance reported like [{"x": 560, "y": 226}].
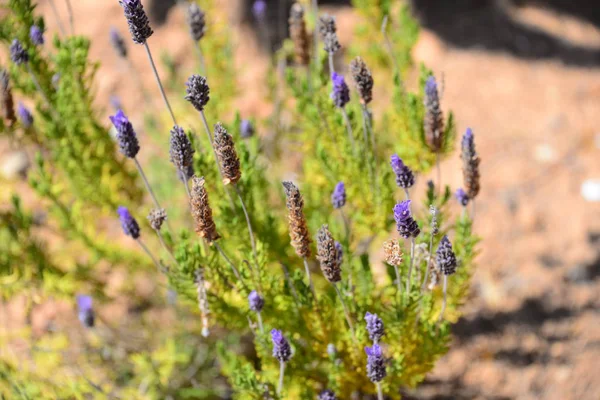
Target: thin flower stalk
[
  {"x": 159, "y": 82},
  {"x": 281, "y": 374},
  {"x": 410, "y": 266},
  {"x": 379, "y": 391},
  {"x": 146, "y": 183},
  {"x": 250, "y": 231},
  {"x": 231, "y": 264},
  {"x": 346, "y": 312},
  {"x": 388, "y": 44},
  {"x": 149, "y": 253}
]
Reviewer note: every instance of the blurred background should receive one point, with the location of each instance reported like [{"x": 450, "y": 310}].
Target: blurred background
[{"x": 525, "y": 75}]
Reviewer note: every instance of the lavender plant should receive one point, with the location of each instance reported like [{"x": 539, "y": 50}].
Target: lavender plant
[{"x": 247, "y": 274}]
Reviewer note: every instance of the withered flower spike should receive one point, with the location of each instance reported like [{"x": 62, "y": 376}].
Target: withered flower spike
[
  {"x": 201, "y": 211},
  {"x": 299, "y": 235},
  {"x": 227, "y": 156},
  {"x": 327, "y": 255},
  {"x": 299, "y": 34}
]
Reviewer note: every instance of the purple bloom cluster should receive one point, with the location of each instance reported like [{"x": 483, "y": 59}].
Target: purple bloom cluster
[
  {"x": 340, "y": 93},
  {"x": 375, "y": 363},
  {"x": 404, "y": 175},
  {"x": 259, "y": 9},
  {"x": 24, "y": 116},
  {"x": 117, "y": 42},
  {"x": 85, "y": 311},
  {"x": 462, "y": 197},
  {"x": 246, "y": 129},
  {"x": 281, "y": 347},
  {"x": 126, "y": 137},
  {"x": 327, "y": 395},
  {"x": 128, "y": 223},
  {"x": 406, "y": 225},
  {"x": 36, "y": 34},
  {"x": 338, "y": 197},
  {"x": 255, "y": 301},
  {"x": 445, "y": 257},
  {"x": 375, "y": 327},
  {"x": 139, "y": 26},
  {"x": 197, "y": 91},
  {"x": 18, "y": 54}
]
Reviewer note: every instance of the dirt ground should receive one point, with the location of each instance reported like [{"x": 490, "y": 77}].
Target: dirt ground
[{"x": 527, "y": 81}]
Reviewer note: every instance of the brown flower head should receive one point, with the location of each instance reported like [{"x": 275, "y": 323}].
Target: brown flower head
[
  {"x": 225, "y": 149},
  {"x": 363, "y": 79},
  {"x": 299, "y": 34},
  {"x": 157, "y": 217},
  {"x": 297, "y": 222},
  {"x": 6, "y": 100},
  {"x": 393, "y": 252},
  {"x": 201, "y": 211},
  {"x": 327, "y": 255}
]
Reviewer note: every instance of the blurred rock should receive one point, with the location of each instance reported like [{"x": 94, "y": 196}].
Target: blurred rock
[{"x": 15, "y": 165}]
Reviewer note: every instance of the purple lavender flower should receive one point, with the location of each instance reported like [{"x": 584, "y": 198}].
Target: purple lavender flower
[
  {"x": 139, "y": 26},
  {"x": 259, "y": 9},
  {"x": 462, "y": 197},
  {"x": 404, "y": 176},
  {"x": 18, "y": 54},
  {"x": 115, "y": 102},
  {"x": 197, "y": 91},
  {"x": 128, "y": 223},
  {"x": 85, "y": 311},
  {"x": 255, "y": 301},
  {"x": 36, "y": 34},
  {"x": 196, "y": 21},
  {"x": 327, "y": 395},
  {"x": 375, "y": 363},
  {"x": 339, "y": 253},
  {"x": 406, "y": 225},
  {"x": 375, "y": 327},
  {"x": 180, "y": 149},
  {"x": 118, "y": 42},
  {"x": 433, "y": 123},
  {"x": 338, "y": 197},
  {"x": 281, "y": 347},
  {"x": 246, "y": 129},
  {"x": 24, "y": 116},
  {"x": 340, "y": 93},
  {"x": 445, "y": 257},
  {"x": 126, "y": 137},
  {"x": 471, "y": 160}
]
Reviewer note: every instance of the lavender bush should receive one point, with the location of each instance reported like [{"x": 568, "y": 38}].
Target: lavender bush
[{"x": 240, "y": 254}]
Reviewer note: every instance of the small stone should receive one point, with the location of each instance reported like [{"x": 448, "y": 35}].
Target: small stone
[{"x": 15, "y": 165}]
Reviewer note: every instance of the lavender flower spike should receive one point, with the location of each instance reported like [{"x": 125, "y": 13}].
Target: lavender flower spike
[
  {"x": 340, "y": 93},
  {"x": 139, "y": 26},
  {"x": 246, "y": 129},
  {"x": 434, "y": 118},
  {"x": 85, "y": 311},
  {"x": 126, "y": 137},
  {"x": 117, "y": 42},
  {"x": 404, "y": 175},
  {"x": 375, "y": 363},
  {"x": 255, "y": 301},
  {"x": 445, "y": 257},
  {"x": 24, "y": 116},
  {"x": 36, "y": 34},
  {"x": 196, "y": 21},
  {"x": 338, "y": 197},
  {"x": 18, "y": 54},
  {"x": 281, "y": 347},
  {"x": 259, "y": 9},
  {"x": 339, "y": 253},
  {"x": 375, "y": 327},
  {"x": 197, "y": 91},
  {"x": 406, "y": 225},
  {"x": 327, "y": 395},
  {"x": 462, "y": 197},
  {"x": 128, "y": 223},
  {"x": 180, "y": 149}
]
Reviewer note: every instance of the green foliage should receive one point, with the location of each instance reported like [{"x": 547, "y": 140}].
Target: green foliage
[{"x": 80, "y": 179}]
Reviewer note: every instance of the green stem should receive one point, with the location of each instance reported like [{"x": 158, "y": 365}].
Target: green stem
[
  {"x": 145, "y": 248},
  {"x": 281, "y": 373},
  {"x": 412, "y": 256},
  {"x": 252, "y": 239},
  {"x": 146, "y": 183},
  {"x": 158, "y": 81},
  {"x": 346, "y": 312}
]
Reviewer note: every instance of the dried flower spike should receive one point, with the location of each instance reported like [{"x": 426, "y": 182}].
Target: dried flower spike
[
  {"x": 36, "y": 34},
  {"x": 24, "y": 116},
  {"x": 339, "y": 253},
  {"x": 126, "y": 137},
  {"x": 197, "y": 91},
  {"x": 128, "y": 223},
  {"x": 18, "y": 54},
  {"x": 375, "y": 363},
  {"x": 297, "y": 221},
  {"x": 196, "y": 20},
  {"x": 327, "y": 395},
  {"x": 201, "y": 211},
  {"x": 340, "y": 93},
  {"x": 255, "y": 301},
  {"x": 445, "y": 258},
  {"x": 470, "y": 161},
  {"x": 327, "y": 255},
  {"x": 85, "y": 311},
  {"x": 434, "y": 221},
  {"x": 434, "y": 118},
  {"x": 227, "y": 156},
  {"x": 326, "y": 25},
  {"x": 180, "y": 149},
  {"x": 375, "y": 327},
  {"x": 404, "y": 175},
  {"x": 299, "y": 35},
  {"x": 406, "y": 225},
  {"x": 393, "y": 252},
  {"x": 462, "y": 197},
  {"x": 157, "y": 218},
  {"x": 281, "y": 347},
  {"x": 338, "y": 197},
  {"x": 118, "y": 42},
  {"x": 363, "y": 80},
  {"x": 331, "y": 43},
  {"x": 6, "y": 99},
  {"x": 137, "y": 20}
]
